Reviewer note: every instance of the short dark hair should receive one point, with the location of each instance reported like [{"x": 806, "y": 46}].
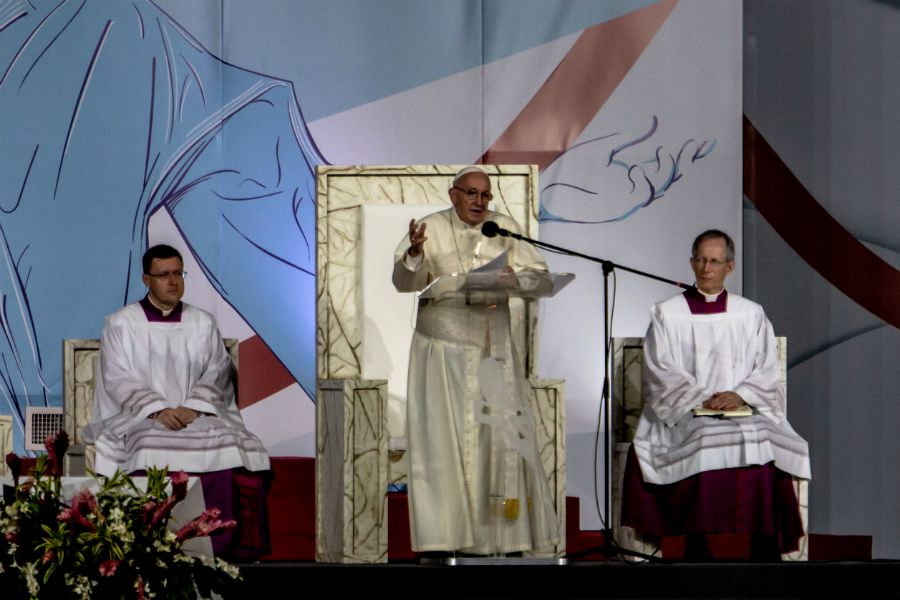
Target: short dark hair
[
  {"x": 159, "y": 251},
  {"x": 711, "y": 234}
]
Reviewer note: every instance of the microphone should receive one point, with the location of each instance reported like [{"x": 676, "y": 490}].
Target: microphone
[{"x": 491, "y": 229}]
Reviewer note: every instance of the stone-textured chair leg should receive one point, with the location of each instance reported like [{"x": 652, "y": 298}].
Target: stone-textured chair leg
[{"x": 351, "y": 471}]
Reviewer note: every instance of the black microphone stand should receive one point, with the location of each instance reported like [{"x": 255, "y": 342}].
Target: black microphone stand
[{"x": 608, "y": 547}]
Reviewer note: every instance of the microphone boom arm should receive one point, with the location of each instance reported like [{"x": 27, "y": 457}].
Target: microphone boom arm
[{"x": 608, "y": 265}]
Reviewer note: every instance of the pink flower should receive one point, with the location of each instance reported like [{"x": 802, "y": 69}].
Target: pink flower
[
  {"x": 19, "y": 466},
  {"x": 56, "y": 446},
  {"x": 108, "y": 567},
  {"x": 155, "y": 513},
  {"x": 83, "y": 504},
  {"x": 139, "y": 585},
  {"x": 76, "y": 520},
  {"x": 179, "y": 481},
  {"x": 14, "y": 462},
  {"x": 162, "y": 511},
  {"x": 84, "y": 501},
  {"x": 48, "y": 556},
  {"x": 149, "y": 509},
  {"x": 205, "y": 524}
]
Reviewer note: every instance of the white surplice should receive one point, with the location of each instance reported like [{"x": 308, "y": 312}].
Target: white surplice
[
  {"x": 451, "y": 459},
  {"x": 687, "y": 358},
  {"x": 148, "y": 366}
]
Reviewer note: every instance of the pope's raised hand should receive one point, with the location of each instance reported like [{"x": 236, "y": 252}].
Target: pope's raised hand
[{"x": 416, "y": 238}]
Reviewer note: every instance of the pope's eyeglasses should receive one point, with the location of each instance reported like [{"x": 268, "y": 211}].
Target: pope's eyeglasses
[{"x": 472, "y": 193}]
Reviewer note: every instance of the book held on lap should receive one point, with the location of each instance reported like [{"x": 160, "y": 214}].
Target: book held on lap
[{"x": 744, "y": 411}]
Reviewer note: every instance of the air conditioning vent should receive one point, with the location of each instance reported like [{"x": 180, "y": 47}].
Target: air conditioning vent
[{"x": 40, "y": 423}]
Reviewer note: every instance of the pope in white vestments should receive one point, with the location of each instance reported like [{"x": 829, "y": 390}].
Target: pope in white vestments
[
  {"x": 453, "y": 469},
  {"x": 699, "y": 475}
]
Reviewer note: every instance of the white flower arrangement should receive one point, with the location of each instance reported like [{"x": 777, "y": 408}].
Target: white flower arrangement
[{"x": 112, "y": 544}]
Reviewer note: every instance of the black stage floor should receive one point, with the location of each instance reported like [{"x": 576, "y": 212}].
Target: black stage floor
[{"x": 575, "y": 580}]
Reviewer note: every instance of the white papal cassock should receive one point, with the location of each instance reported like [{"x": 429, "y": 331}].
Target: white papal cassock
[
  {"x": 687, "y": 358},
  {"x": 450, "y": 455},
  {"x": 149, "y": 362}
]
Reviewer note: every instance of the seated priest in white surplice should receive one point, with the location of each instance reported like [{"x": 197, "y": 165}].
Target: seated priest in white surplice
[
  {"x": 461, "y": 459},
  {"x": 695, "y": 475},
  {"x": 164, "y": 398}
]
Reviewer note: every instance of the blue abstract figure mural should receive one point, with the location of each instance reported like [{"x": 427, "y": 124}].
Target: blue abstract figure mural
[{"x": 109, "y": 112}]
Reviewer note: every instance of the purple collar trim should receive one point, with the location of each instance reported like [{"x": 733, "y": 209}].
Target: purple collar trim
[
  {"x": 699, "y": 306},
  {"x": 154, "y": 315}
]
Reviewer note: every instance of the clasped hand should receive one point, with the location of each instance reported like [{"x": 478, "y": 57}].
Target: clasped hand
[
  {"x": 176, "y": 418},
  {"x": 724, "y": 401}
]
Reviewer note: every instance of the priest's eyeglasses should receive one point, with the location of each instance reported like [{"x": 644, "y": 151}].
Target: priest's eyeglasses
[
  {"x": 472, "y": 193},
  {"x": 715, "y": 263},
  {"x": 167, "y": 274}
]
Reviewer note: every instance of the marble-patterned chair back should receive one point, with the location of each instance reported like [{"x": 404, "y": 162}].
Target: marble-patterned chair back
[
  {"x": 362, "y": 214},
  {"x": 6, "y": 439},
  {"x": 363, "y": 325}
]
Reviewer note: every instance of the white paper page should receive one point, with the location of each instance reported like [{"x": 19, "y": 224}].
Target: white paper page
[{"x": 498, "y": 264}]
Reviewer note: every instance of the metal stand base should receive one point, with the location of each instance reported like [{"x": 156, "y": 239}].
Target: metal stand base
[{"x": 453, "y": 561}]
